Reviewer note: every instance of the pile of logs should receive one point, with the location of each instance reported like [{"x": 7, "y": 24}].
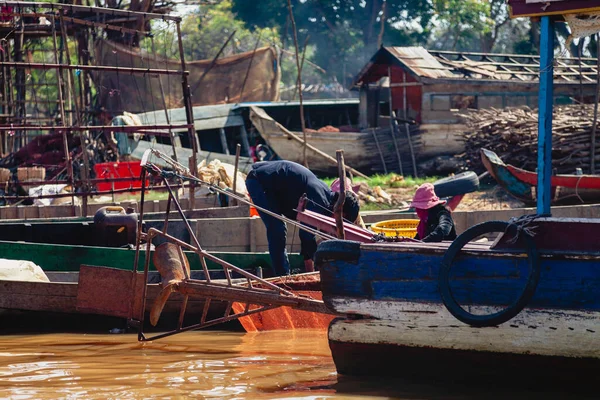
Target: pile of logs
[{"x": 512, "y": 133}]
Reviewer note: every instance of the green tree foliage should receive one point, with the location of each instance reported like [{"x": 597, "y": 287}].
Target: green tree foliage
[
  {"x": 460, "y": 22},
  {"x": 205, "y": 31},
  {"x": 481, "y": 26},
  {"x": 345, "y": 33}
]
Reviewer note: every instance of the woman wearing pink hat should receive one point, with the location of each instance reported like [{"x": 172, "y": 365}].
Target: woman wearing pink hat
[{"x": 436, "y": 222}]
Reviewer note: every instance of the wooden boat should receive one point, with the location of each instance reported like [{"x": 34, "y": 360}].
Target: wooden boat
[
  {"x": 59, "y": 297},
  {"x": 67, "y": 258},
  {"x": 521, "y": 184},
  {"x": 360, "y": 149},
  {"x": 424, "y": 308},
  {"x": 63, "y": 298},
  {"x": 83, "y": 231}
]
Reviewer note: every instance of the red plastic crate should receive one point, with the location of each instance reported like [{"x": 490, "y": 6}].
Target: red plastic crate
[{"x": 123, "y": 169}]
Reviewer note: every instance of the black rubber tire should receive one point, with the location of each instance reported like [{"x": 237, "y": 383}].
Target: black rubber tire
[
  {"x": 517, "y": 306},
  {"x": 340, "y": 250},
  {"x": 465, "y": 182}
]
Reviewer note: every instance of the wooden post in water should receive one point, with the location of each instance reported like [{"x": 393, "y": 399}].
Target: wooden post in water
[
  {"x": 338, "y": 208},
  {"x": 545, "y": 116}
]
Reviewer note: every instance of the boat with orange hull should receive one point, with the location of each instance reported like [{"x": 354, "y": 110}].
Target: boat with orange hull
[{"x": 309, "y": 285}]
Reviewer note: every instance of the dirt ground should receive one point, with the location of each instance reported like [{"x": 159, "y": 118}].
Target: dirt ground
[{"x": 494, "y": 198}]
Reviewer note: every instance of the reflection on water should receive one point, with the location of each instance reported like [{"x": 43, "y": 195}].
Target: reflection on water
[
  {"x": 195, "y": 364},
  {"x": 209, "y": 364}
]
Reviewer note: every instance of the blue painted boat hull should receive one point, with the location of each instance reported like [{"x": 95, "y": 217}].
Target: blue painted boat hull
[{"x": 396, "y": 312}]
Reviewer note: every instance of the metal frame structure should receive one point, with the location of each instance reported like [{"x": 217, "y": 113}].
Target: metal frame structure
[
  {"x": 73, "y": 77},
  {"x": 256, "y": 291}
]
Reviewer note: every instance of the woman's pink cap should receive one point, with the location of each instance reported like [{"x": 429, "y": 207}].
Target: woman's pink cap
[
  {"x": 335, "y": 186},
  {"x": 425, "y": 197}
]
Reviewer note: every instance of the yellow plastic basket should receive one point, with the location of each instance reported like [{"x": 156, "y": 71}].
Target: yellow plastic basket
[{"x": 397, "y": 227}]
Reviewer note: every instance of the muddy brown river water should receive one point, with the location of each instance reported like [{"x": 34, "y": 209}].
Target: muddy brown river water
[{"x": 206, "y": 364}]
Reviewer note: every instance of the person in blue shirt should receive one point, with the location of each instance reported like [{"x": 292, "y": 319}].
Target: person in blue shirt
[{"x": 277, "y": 186}]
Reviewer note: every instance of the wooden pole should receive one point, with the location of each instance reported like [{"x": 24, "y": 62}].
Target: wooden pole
[
  {"x": 61, "y": 108},
  {"x": 175, "y": 141},
  {"x": 212, "y": 63},
  {"x": 379, "y": 150},
  {"x": 338, "y": 208},
  {"x": 392, "y": 125},
  {"x": 187, "y": 101},
  {"x": 301, "y": 65},
  {"x": 82, "y": 140},
  {"x": 299, "y": 81},
  {"x": 223, "y": 138},
  {"x": 238, "y": 148},
  {"x": 545, "y": 116},
  {"x": 410, "y": 145},
  {"x": 249, "y": 67}
]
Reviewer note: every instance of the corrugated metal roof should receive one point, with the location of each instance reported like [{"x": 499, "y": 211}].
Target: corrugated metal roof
[
  {"x": 420, "y": 62},
  {"x": 438, "y": 64}
]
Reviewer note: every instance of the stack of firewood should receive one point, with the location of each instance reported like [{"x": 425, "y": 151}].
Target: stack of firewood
[{"x": 512, "y": 133}]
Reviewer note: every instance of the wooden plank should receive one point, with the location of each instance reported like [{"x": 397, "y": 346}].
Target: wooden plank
[
  {"x": 486, "y": 278},
  {"x": 205, "y": 117},
  {"x": 109, "y": 291},
  {"x": 577, "y": 236},
  {"x": 562, "y": 333},
  {"x": 184, "y": 154},
  {"x": 38, "y": 288}
]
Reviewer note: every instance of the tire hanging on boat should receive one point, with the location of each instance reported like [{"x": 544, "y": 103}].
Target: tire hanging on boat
[{"x": 522, "y": 300}]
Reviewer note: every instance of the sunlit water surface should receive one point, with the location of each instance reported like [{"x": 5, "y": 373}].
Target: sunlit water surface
[{"x": 209, "y": 364}]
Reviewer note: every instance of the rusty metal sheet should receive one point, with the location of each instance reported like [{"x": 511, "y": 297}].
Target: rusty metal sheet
[
  {"x": 420, "y": 62},
  {"x": 107, "y": 291}
]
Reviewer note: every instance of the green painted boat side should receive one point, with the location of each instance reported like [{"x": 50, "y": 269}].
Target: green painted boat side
[{"x": 66, "y": 258}]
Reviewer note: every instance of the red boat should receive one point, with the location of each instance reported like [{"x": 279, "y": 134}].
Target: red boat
[{"x": 521, "y": 184}]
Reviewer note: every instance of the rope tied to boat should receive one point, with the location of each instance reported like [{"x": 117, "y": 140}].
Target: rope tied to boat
[{"x": 521, "y": 225}]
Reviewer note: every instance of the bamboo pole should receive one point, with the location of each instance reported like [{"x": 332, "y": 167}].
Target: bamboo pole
[
  {"x": 193, "y": 137},
  {"x": 379, "y": 150},
  {"x": 59, "y": 74},
  {"x": 299, "y": 81},
  {"x": 301, "y": 65},
  {"x": 212, "y": 63},
  {"x": 410, "y": 145},
  {"x": 96, "y": 68},
  {"x": 249, "y": 67},
  {"x": 82, "y": 139},
  {"x": 174, "y": 138},
  {"x": 392, "y": 130}
]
